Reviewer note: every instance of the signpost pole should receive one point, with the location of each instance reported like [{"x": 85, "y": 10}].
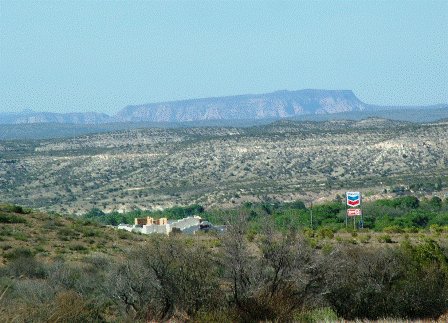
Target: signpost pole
[
  {"x": 311, "y": 215},
  {"x": 362, "y": 215},
  {"x": 346, "y": 215}
]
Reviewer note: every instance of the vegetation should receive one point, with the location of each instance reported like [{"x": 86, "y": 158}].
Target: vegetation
[
  {"x": 115, "y": 218},
  {"x": 395, "y": 215},
  {"x": 75, "y": 270},
  {"x": 223, "y": 167}
]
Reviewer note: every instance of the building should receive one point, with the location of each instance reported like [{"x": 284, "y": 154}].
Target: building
[{"x": 149, "y": 225}]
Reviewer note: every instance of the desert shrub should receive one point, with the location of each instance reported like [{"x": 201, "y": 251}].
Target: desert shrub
[
  {"x": 425, "y": 283},
  {"x": 165, "y": 277},
  {"x": 21, "y": 262},
  {"x": 406, "y": 282},
  {"x": 65, "y": 306},
  {"x": 67, "y": 234},
  {"x": 123, "y": 234},
  {"x": 365, "y": 238},
  {"x": 296, "y": 205},
  {"x": 435, "y": 202},
  {"x": 89, "y": 232},
  {"x": 11, "y": 218},
  {"x": 408, "y": 201},
  {"x": 265, "y": 287},
  {"x": 19, "y": 235},
  {"x": 325, "y": 233},
  {"x": 355, "y": 289},
  {"x": 93, "y": 213},
  {"x": 385, "y": 238},
  {"x": 411, "y": 230},
  {"x": 393, "y": 229},
  {"x": 12, "y": 208},
  {"x": 77, "y": 247},
  {"x": 325, "y": 314},
  {"x": 18, "y": 253},
  {"x": 26, "y": 267},
  {"x": 6, "y": 231}
]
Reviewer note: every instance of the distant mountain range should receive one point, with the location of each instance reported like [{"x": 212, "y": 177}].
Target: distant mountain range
[
  {"x": 269, "y": 106},
  {"x": 29, "y": 116}
]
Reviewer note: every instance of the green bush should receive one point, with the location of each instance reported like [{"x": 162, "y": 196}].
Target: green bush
[
  {"x": 385, "y": 238},
  {"x": 325, "y": 233},
  {"x": 78, "y": 247},
  {"x": 393, "y": 229},
  {"x": 365, "y": 238},
  {"x": 325, "y": 314},
  {"x": 12, "y": 208},
  {"x": 11, "y": 218},
  {"x": 18, "y": 253},
  {"x": 18, "y": 235}
]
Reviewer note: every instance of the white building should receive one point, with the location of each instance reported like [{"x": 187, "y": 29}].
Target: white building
[{"x": 149, "y": 225}]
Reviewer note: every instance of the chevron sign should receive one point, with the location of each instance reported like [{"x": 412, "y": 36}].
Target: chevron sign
[{"x": 353, "y": 199}]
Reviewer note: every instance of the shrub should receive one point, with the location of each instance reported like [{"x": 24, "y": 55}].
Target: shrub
[
  {"x": 26, "y": 266},
  {"x": 19, "y": 252},
  {"x": 393, "y": 229},
  {"x": 435, "y": 202},
  {"x": 385, "y": 238},
  {"x": 325, "y": 233},
  {"x": 435, "y": 228},
  {"x": 325, "y": 314},
  {"x": 12, "y": 208},
  {"x": 123, "y": 234},
  {"x": 18, "y": 235},
  {"x": 11, "y": 218},
  {"x": 78, "y": 247},
  {"x": 408, "y": 282},
  {"x": 67, "y": 234},
  {"x": 365, "y": 238}
]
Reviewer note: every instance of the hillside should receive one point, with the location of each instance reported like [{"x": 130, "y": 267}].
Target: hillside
[
  {"x": 154, "y": 168},
  {"x": 51, "y": 236},
  {"x": 60, "y": 269}
]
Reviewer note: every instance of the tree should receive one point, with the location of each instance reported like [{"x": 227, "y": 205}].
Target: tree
[
  {"x": 94, "y": 213},
  {"x": 165, "y": 278},
  {"x": 435, "y": 202}
]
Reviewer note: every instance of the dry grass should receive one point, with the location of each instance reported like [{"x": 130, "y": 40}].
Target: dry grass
[{"x": 52, "y": 236}]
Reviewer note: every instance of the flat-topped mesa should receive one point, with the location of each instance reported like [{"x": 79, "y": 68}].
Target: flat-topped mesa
[
  {"x": 248, "y": 107},
  {"x": 279, "y": 104}
]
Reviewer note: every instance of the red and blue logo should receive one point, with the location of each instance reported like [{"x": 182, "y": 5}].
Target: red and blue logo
[{"x": 353, "y": 199}]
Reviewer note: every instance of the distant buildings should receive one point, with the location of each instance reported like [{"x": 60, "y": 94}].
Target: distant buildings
[{"x": 149, "y": 225}]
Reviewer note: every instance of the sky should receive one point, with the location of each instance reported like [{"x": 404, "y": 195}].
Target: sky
[{"x": 68, "y": 56}]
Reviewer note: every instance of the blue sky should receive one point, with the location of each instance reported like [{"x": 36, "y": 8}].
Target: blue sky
[{"x": 102, "y": 56}]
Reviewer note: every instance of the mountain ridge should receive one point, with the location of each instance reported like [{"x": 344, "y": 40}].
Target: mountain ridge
[
  {"x": 279, "y": 104},
  {"x": 274, "y": 105}
]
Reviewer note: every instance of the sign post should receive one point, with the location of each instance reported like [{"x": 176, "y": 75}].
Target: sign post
[
  {"x": 311, "y": 215},
  {"x": 353, "y": 208}
]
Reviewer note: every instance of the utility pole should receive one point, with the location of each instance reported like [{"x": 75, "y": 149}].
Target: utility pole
[{"x": 311, "y": 214}]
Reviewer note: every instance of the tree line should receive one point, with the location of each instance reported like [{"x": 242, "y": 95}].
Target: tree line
[{"x": 400, "y": 214}]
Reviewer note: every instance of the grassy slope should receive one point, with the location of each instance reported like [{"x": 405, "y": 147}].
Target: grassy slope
[{"x": 51, "y": 236}]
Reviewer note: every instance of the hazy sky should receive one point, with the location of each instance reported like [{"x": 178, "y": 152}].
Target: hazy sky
[{"x": 102, "y": 56}]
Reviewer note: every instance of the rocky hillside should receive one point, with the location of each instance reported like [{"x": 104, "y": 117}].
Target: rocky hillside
[{"x": 212, "y": 166}]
